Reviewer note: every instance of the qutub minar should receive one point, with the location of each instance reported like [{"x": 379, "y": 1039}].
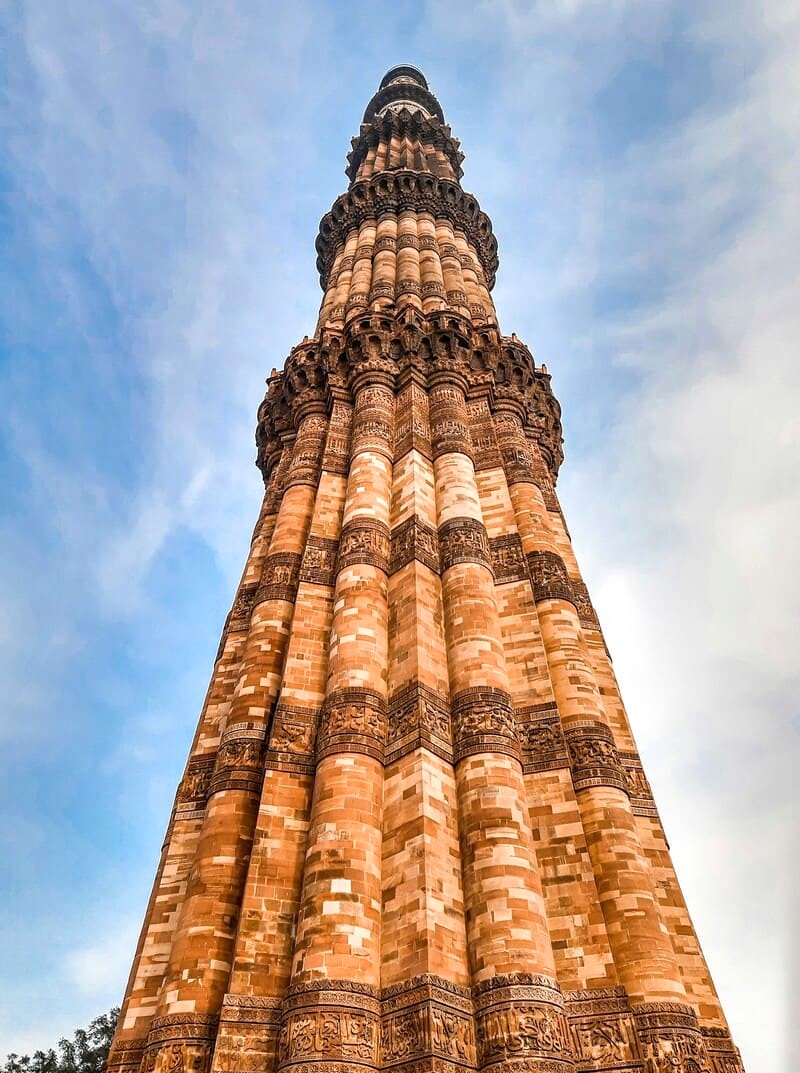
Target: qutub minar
[{"x": 414, "y": 832}]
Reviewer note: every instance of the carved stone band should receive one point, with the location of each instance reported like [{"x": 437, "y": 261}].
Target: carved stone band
[
  {"x": 353, "y": 721},
  {"x": 418, "y": 717},
  {"x": 603, "y": 1032},
  {"x": 463, "y": 540},
  {"x": 427, "y": 1018},
  {"x": 521, "y": 1025},
  {"x": 307, "y": 454},
  {"x": 126, "y": 1056},
  {"x": 549, "y": 577},
  {"x": 239, "y": 618},
  {"x": 292, "y": 738},
  {"x": 584, "y": 607},
  {"x": 194, "y": 787},
  {"x": 483, "y": 722},
  {"x": 543, "y": 745},
  {"x": 319, "y": 561},
  {"x": 414, "y": 539},
  {"x": 364, "y": 541},
  {"x": 670, "y": 1038},
  {"x": 332, "y": 1021},
  {"x": 239, "y": 759},
  {"x": 280, "y": 577},
  {"x": 508, "y": 559},
  {"x": 593, "y": 756},
  {"x": 187, "y": 1039}
]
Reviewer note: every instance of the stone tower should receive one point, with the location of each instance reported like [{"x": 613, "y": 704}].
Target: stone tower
[{"x": 414, "y": 832}]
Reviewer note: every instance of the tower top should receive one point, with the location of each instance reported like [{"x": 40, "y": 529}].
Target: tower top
[{"x": 403, "y": 86}]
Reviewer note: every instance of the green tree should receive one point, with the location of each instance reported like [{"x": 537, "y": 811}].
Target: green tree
[{"x": 86, "y": 1053}]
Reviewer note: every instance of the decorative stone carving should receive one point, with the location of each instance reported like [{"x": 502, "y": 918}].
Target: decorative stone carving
[
  {"x": 427, "y": 1017},
  {"x": 542, "y": 739},
  {"x": 280, "y": 576},
  {"x": 307, "y": 453},
  {"x": 412, "y": 429},
  {"x": 483, "y": 722},
  {"x": 418, "y": 716},
  {"x": 404, "y": 125},
  {"x": 593, "y": 756},
  {"x": 485, "y": 450},
  {"x": 336, "y": 456},
  {"x": 508, "y": 559},
  {"x": 463, "y": 540},
  {"x": 521, "y": 1024},
  {"x": 332, "y": 1022},
  {"x": 724, "y": 1055},
  {"x": 400, "y": 192},
  {"x": 239, "y": 759},
  {"x": 414, "y": 539},
  {"x": 318, "y": 566},
  {"x": 583, "y": 605},
  {"x": 449, "y": 432},
  {"x": 670, "y": 1039},
  {"x": 642, "y": 800},
  {"x": 364, "y": 541},
  {"x": 549, "y": 577},
  {"x": 242, "y": 608},
  {"x": 353, "y": 721},
  {"x": 292, "y": 738},
  {"x": 194, "y": 787}
]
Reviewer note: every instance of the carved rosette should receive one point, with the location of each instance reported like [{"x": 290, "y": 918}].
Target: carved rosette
[
  {"x": 292, "y": 739},
  {"x": 483, "y": 722},
  {"x": 521, "y": 1025},
  {"x": 670, "y": 1039},
  {"x": 239, "y": 759},
  {"x": 414, "y": 539},
  {"x": 353, "y": 721},
  {"x": 542, "y": 739},
  {"x": 418, "y": 717},
  {"x": 549, "y": 577},
  {"x": 593, "y": 756},
  {"x": 364, "y": 541},
  {"x": 427, "y": 1024},
  {"x": 280, "y": 576},
  {"x": 330, "y": 1026},
  {"x": 463, "y": 540}
]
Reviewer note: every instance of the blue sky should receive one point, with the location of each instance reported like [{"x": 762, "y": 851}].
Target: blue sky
[{"x": 165, "y": 167}]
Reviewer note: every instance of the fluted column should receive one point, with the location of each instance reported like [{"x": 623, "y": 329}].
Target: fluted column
[
  {"x": 336, "y": 972},
  {"x": 201, "y": 956},
  {"x": 509, "y": 947},
  {"x": 640, "y": 943}
]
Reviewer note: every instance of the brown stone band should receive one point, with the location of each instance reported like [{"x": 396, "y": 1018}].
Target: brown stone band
[
  {"x": 239, "y": 760},
  {"x": 542, "y": 739},
  {"x": 463, "y": 540},
  {"x": 521, "y": 1025},
  {"x": 292, "y": 739},
  {"x": 549, "y": 577},
  {"x": 364, "y": 541},
  {"x": 419, "y": 717},
  {"x": 483, "y": 722},
  {"x": 280, "y": 576},
  {"x": 353, "y": 721},
  {"x": 333, "y": 1021},
  {"x": 404, "y": 191},
  {"x": 319, "y": 561},
  {"x": 414, "y": 539},
  {"x": 508, "y": 559},
  {"x": 670, "y": 1037},
  {"x": 593, "y": 756}
]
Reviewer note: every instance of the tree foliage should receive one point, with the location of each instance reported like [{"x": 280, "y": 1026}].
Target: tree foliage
[{"x": 86, "y": 1053}]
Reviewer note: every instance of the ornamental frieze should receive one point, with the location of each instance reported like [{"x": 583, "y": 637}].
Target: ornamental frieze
[
  {"x": 239, "y": 759},
  {"x": 517, "y": 1020},
  {"x": 241, "y": 610},
  {"x": 584, "y": 606},
  {"x": 483, "y": 722},
  {"x": 331, "y": 1022},
  {"x": 541, "y": 737},
  {"x": 412, "y": 428},
  {"x": 670, "y": 1039},
  {"x": 463, "y": 540},
  {"x": 549, "y": 577},
  {"x": 414, "y": 539},
  {"x": 318, "y": 566},
  {"x": 280, "y": 576},
  {"x": 508, "y": 559},
  {"x": 353, "y": 721},
  {"x": 404, "y": 124},
  {"x": 364, "y": 542},
  {"x": 642, "y": 800},
  {"x": 292, "y": 738},
  {"x": 418, "y": 717},
  {"x": 194, "y": 787},
  {"x": 593, "y": 756}
]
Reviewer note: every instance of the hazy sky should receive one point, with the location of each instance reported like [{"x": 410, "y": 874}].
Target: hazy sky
[{"x": 165, "y": 170}]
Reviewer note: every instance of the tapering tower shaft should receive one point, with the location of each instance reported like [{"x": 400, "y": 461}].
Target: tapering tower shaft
[{"x": 414, "y": 832}]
